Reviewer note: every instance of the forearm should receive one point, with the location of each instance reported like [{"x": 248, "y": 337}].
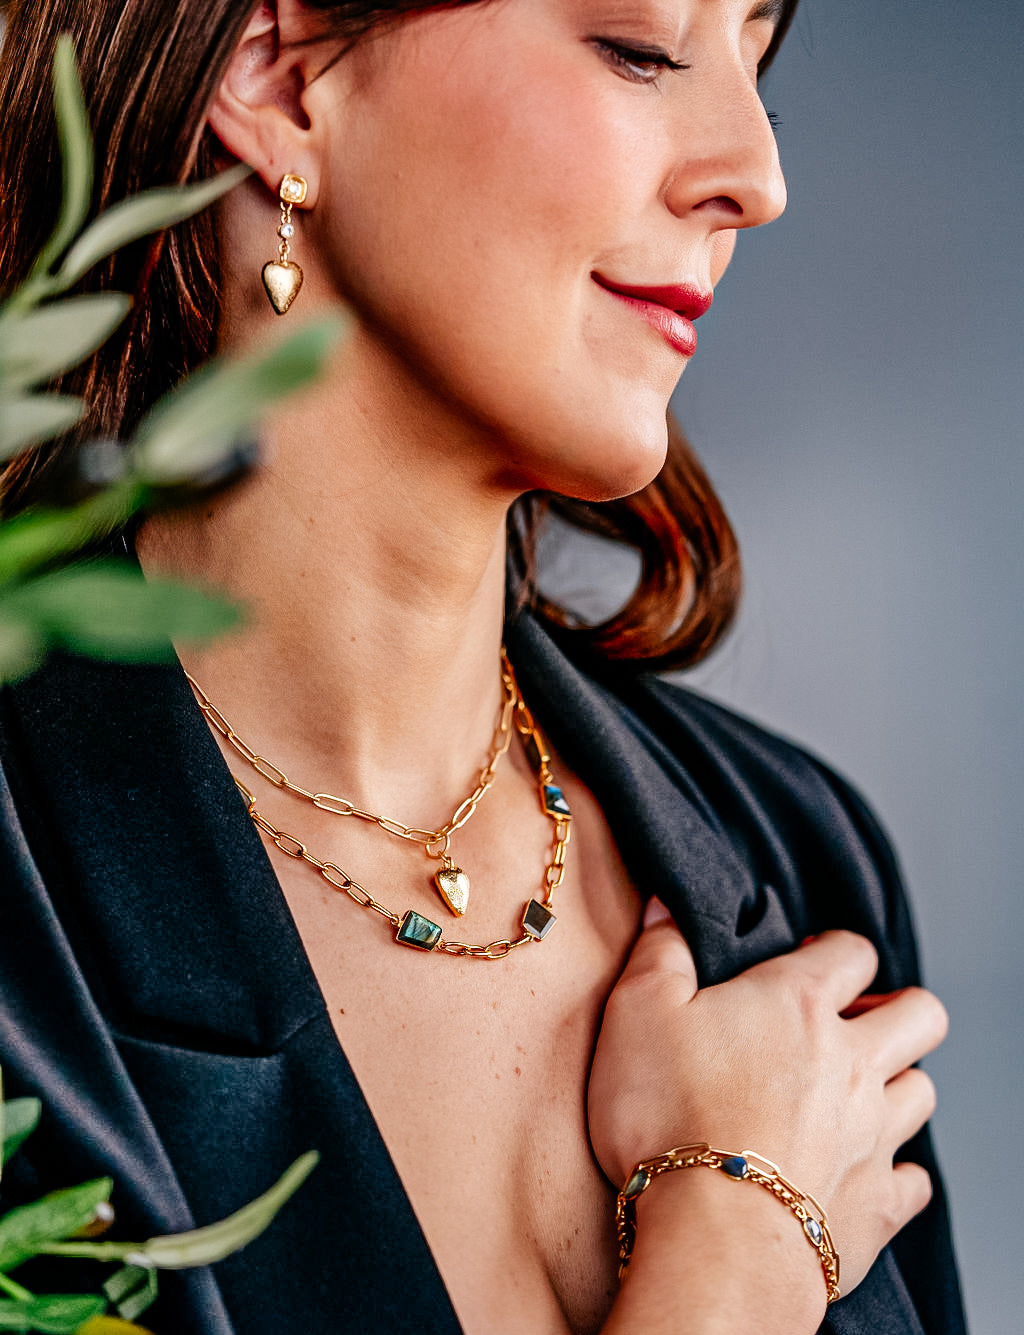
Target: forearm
[{"x": 714, "y": 1257}]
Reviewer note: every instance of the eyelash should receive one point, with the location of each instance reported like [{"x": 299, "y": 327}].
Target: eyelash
[
  {"x": 630, "y": 61},
  {"x": 638, "y": 64}
]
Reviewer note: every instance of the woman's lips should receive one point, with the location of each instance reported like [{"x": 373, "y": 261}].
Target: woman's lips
[{"x": 669, "y": 308}]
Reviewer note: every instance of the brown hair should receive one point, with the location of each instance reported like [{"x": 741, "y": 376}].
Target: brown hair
[{"x": 149, "y": 72}]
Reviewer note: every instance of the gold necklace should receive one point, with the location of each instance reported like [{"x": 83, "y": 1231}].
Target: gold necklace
[
  {"x": 413, "y": 929},
  {"x": 450, "y": 881}
]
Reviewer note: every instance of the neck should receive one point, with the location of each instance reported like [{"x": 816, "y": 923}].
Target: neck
[{"x": 369, "y": 658}]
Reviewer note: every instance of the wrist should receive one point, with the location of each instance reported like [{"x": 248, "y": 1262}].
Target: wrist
[
  {"x": 721, "y": 1238},
  {"x": 718, "y": 1260}
]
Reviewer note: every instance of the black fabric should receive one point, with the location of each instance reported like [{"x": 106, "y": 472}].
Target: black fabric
[{"x": 155, "y": 994}]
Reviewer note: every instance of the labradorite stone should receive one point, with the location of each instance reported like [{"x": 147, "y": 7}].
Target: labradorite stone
[
  {"x": 417, "y": 931},
  {"x": 554, "y": 801},
  {"x": 636, "y": 1183},
  {"x": 735, "y": 1167},
  {"x": 813, "y": 1230},
  {"x": 538, "y": 920}
]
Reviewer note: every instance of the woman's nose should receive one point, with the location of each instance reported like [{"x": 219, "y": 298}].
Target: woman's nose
[{"x": 727, "y": 161}]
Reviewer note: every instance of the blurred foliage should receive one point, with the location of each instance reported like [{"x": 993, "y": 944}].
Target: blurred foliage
[
  {"x": 64, "y": 1223},
  {"x": 198, "y": 436}
]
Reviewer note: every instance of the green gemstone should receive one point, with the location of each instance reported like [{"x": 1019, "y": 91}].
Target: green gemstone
[
  {"x": 417, "y": 931},
  {"x": 636, "y": 1184},
  {"x": 538, "y": 920}
]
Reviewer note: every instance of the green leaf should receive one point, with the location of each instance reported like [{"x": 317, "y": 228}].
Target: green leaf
[
  {"x": 21, "y": 649},
  {"x": 39, "y": 537},
  {"x": 201, "y": 1246},
  {"x": 25, "y": 1230},
  {"x": 125, "y": 1281},
  {"x": 41, "y": 344},
  {"x": 149, "y": 211},
  {"x": 20, "y": 1119},
  {"x": 109, "y": 610},
  {"x": 76, "y": 154},
  {"x": 131, "y": 1290},
  {"x": 29, "y": 420},
  {"x": 62, "y": 1314},
  {"x": 191, "y": 429}
]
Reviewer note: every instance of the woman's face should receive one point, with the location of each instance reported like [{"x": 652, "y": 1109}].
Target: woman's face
[{"x": 526, "y": 203}]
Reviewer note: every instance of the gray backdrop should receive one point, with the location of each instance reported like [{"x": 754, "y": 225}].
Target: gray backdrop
[{"x": 857, "y": 398}]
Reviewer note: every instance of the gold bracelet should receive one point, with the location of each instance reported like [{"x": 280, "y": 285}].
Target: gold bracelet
[{"x": 745, "y": 1166}]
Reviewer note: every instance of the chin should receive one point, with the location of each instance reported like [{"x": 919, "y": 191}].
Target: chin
[
  {"x": 606, "y": 466},
  {"x": 621, "y": 452}
]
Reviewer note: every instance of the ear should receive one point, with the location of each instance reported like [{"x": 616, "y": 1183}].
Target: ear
[{"x": 258, "y": 111}]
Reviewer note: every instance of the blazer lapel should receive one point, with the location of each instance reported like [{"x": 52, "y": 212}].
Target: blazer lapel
[{"x": 202, "y": 990}]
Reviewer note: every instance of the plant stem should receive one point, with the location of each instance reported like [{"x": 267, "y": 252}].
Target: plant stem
[{"x": 15, "y": 1290}]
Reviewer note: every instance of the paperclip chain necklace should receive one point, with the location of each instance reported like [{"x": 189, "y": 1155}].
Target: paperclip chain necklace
[
  {"x": 411, "y": 928},
  {"x": 450, "y": 881}
]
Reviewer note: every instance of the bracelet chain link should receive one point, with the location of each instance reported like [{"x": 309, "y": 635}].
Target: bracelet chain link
[{"x": 745, "y": 1166}]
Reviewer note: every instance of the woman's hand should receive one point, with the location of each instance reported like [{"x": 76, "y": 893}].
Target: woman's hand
[{"x": 788, "y": 1059}]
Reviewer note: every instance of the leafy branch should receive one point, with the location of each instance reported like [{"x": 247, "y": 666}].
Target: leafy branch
[
  {"x": 56, "y": 1224},
  {"x": 198, "y": 435}
]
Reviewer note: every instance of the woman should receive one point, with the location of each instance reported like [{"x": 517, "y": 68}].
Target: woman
[{"x": 526, "y": 204}]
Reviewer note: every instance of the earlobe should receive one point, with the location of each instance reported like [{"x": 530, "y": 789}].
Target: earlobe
[{"x": 257, "y": 112}]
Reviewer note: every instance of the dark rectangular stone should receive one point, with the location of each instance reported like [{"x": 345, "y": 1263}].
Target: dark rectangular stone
[{"x": 538, "y": 920}]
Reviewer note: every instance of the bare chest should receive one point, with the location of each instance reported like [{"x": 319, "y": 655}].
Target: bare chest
[{"x": 476, "y": 1074}]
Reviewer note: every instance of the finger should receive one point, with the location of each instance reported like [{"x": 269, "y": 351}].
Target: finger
[
  {"x": 913, "y": 1189},
  {"x": 660, "y": 947},
  {"x": 839, "y": 965},
  {"x": 902, "y": 1029},
  {"x": 867, "y": 1001},
  {"x": 910, "y": 1099}
]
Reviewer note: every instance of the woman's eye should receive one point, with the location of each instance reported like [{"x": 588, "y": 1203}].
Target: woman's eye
[{"x": 640, "y": 64}]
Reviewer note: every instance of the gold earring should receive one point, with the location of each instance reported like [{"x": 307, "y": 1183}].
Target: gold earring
[{"x": 282, "y": 277}]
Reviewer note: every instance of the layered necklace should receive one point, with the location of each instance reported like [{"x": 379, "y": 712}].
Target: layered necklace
[{"x": 450, "y": 881}]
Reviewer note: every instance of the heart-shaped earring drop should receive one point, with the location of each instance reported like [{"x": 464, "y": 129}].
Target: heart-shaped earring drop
[{"x": 282, "y": 277}]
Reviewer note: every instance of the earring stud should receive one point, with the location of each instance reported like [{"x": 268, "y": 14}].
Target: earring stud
[{"x": 282, "y": 277}]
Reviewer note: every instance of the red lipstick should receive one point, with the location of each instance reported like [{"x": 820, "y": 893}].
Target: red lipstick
[{"x": 670, "y": 308}]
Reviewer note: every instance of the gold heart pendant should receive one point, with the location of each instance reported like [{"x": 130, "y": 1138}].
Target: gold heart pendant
[
  {"x": 453, "y": 887},
  {"x": 282, "y": 282}
]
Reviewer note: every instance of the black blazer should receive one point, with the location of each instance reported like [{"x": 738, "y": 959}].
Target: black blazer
[{"x": 155, "y": 994}]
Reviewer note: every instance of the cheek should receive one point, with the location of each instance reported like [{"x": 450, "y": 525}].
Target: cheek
[{"x": 465, "y": 220}]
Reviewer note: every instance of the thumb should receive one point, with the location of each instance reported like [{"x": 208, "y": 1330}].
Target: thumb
[{"x": 661, "y": 948}]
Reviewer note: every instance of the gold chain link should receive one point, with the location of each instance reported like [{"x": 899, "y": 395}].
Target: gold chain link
[
  {"x": 756, "y": 1169},
  {"x": 339, "y": 879},
  {"x": 434, "y": 842},
  {"x": 537, "y": 917}
]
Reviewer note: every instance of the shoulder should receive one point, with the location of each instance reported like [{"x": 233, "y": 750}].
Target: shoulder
[
  {"x": 735, "y": 761},
  {"x": 785, "y": 773},
  {"x": 762, "y": 779},
  {"x": 766, "y": 809}
]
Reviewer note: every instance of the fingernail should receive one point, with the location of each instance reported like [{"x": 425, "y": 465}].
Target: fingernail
[{"x": 655, "y": 912}]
